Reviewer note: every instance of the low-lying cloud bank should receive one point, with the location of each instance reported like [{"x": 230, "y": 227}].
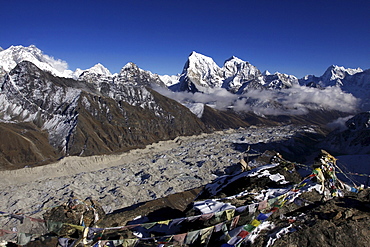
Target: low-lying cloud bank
[
  {"x": 339, "y": 123},
  {"x": 297, "y": 100}
]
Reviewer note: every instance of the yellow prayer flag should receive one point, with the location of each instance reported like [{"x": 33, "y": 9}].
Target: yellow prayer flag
[
  {"x": 79, "y": 228},
  {"x": 255, "y": 223},
  {"x": 205, "y": 234},
  {"x": 230, "y": 214},
  {"x": 164, "y": 222}
]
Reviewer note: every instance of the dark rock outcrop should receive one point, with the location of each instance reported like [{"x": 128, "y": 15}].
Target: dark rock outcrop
[{"x": 338, "y": 222}]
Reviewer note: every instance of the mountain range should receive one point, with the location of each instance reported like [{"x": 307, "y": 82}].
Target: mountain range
[
  {"x": 200, "y": 73},
  {"x": 49, "y": 111}
]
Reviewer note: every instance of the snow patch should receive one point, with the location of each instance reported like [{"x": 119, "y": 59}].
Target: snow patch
[
  {"x": 266, "y": 225},
  {"x": 275, "y": 236},
  {"x": 274, "y": 177},
  {"x": 212, "y": 206},
  {"x": 169, "y": 80},
  {"x": 218, "y": 185}
]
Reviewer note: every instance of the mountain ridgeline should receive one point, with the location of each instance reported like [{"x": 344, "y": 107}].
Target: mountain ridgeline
[{"x": 49, "y": 111}]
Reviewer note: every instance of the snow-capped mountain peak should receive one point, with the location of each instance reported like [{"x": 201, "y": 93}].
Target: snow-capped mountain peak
[
  {"x": 100, "y": 70},
  {"x": 132, "y": 74},
  {"x": 353, "y": 81},
  {"x": 199, "y": 61},
  {"x": 335, "y": 73},
  {"x": 348, "y": 70},
  {"x": 234, "y": 59},
  {"x": 279, "y": 80},
  {"x": 129, "y": 66},
  {"x": 236, "y": 72},
  {"x": 237, "y": 64},
  {"x": 12, "y": 56},
  {"x": 200, "y": 73}
]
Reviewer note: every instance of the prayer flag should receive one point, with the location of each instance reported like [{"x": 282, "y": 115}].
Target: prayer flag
[
  {"x": 164, "y": 222},
  {"x": 205, "y": 217},
  {"x": 241, "y": 209},
  {"x": 262, "y": 217},
  {"x": 255, "y": 223},
  {"x": 234, "y": 222},
  {"x": 218, "y": 227},
  {"x": 243, "y": 234},
  {"x": 148, "y": 225},
  {"x": 192, "y": 237},
  {"x": 249, "y": 227},
  {"x": 262, "y": 205},
  {"x": 206, "y": 234},
  {"x": 252, "y": 208},
  {"x": 230, "y": 213},
  {"x": 179, "y": 238}
]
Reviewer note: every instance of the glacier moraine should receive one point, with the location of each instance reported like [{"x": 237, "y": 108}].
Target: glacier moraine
[{"x": 139, "y": 175}]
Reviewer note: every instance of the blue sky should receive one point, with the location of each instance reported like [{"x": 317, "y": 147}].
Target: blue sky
[{"x": 295, "y": 37}]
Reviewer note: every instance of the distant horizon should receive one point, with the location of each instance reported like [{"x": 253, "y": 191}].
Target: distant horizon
[{"x": 292, "y": 37}]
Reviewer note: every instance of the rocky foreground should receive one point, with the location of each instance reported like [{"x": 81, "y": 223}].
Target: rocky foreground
[{"x": 42, "y": 200}]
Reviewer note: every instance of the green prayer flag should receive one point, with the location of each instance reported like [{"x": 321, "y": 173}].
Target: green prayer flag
[
  {"x": 249, "y": 228},
  {"x": 149, "y": 225}
]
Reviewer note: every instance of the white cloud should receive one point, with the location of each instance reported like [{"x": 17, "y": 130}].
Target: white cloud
[
  {"x": 219, "y": 98},
  {"x": 298, "y": 100},
  {"x": 293, "y": 101},
  {"x": 339, "y": 123},
  {"x": 57, "y": 64}
]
